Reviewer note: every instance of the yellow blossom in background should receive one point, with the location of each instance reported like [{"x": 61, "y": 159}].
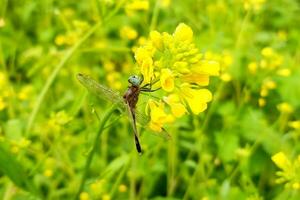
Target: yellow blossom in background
[
  {"x": 284, "y": 72},
  {"x": 3, "y": 80},
  {"x": 136, "y": 5},
  {"x": 165, "y": 3},
  {"x": 109, "y": 66},
  {"x": 129, "y": 33},
  {"x": 270, "y": 59},
  {"x": 97, "y": 186},
  {"x": 253, "y": 4},
  {"x": 267, "y": 52},
  {"x": 177, "y": 66},
  {"x": 15, "y": 149},
  {"x": 122, "y": 188},
  {"x": 252, "y": 67},
  {"x": 267, "y": 85},
  {"x": 226, "y": 77},
  {"x": 282, "y": 35},
  {"x": 113, "y": 76},
  {"x": 2, "y": 104},
  {"x": 84, "y": 196},
  {"x": 24, "y": 143},
  {"x": 290, "y": 170},
  {"x": 261, "y": 102},
  {"x": 26, "y": 92},
  {"x": 48, "y": 173},
  {"x": 294, "y": 124},
  {"x": 66, "y": 39},
  {"x": 2, "y": 22},
  {"x": 285, "y": 108},
  {"x": 106, "y": 197}
]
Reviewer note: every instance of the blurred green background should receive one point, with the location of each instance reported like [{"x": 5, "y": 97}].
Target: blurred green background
[{"x": 48, "y": 124}]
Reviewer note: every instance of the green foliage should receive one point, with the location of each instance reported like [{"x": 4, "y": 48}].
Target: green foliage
[{"x": 55, "y": 141}]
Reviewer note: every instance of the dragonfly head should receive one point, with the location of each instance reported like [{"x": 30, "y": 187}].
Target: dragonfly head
[{"x": 135, "y": 80}]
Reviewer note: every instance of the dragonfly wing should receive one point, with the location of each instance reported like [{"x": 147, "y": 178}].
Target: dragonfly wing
[{"x": 101, "y": 91}]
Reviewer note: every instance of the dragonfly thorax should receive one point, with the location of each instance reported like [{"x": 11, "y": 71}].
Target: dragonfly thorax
[{"x": 135, "y": 80}]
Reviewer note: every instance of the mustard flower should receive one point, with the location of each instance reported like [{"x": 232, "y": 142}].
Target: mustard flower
[
  {"x": 136, "y": 5},
  {"x": 129, "y": 33},
  {"x": 289, "y": 173},
  {"x": 253, "y": 4},
  {"x": 2, "y": 22},
  {"x": 294, "y": 124},
  {"x": 84, "y": 196},
  {"x": 174, "y": 64}
]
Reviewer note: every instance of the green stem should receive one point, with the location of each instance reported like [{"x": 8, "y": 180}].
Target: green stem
[
  {"x": 154, "y": 18},
  {"x": 89, "y": 159}
]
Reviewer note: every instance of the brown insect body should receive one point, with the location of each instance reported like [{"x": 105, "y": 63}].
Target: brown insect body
[{"x": 131, "y": 97}]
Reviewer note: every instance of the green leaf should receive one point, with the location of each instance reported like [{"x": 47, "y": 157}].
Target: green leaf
[{"x": 10, "y": 167}]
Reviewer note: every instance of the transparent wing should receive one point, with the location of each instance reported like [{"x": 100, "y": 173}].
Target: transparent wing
[
  {"x": 101, "y": 91},
  {"x": 107, "y": 94}
]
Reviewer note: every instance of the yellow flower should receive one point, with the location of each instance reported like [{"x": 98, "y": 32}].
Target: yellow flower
[
  {"x": 2, "y": 104},
  {"x": 267, "y": 52},
  {"x": 175, "y": 62},
  {"x": 158, "y": 115},
  {"x": 284, "y": 72},
  {"x": 285, "y": 107},
  {"x": 156, "y": 39},
  {"x": 294, "y": 124},
  {"x": 129, "y": 33},
  {"x": 196, "y": 99},
  {"x": 183, "y": 33},
  {"x": 167, "y": 80},
  {"x": 3, "y": 80},
  {"x": 281, "y": 160},
  {"x": 48, "y": 173},
  {"x": 269, "y": 84},
  {"x": 25, "y": 92},
  {"x": 253, "y": 4},
  {"x": 289, "y": 170},
  {"x": 200, "y": 79},
  {"x": 145, "y": 61},
  {"x": 207, "y": 67},
  {"x": 226, "y": 77},
  {"x": 122, "y": 188},
  {"x": 109, "y": 66},
  {"x": 177, "y": 108},
  {"x": 136, "y": 5},
  {"x": 261, "y": 102},
  {"x": 252, "y": 67},
  {"x": 106, "y": 197},
  {"x": 84, "y": 196},
  {"x": 2, "y": 22},
  {"x": 165, "y": 3}
]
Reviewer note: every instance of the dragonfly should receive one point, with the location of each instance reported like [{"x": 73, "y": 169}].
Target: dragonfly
[{"x": 126, "y": 103}]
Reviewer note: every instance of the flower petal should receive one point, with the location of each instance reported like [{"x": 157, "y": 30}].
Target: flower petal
[
  {"x": 167, "y": 80},
  {"x": 183, "y": 33}
]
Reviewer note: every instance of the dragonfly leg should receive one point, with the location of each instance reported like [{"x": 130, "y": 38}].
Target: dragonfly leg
[{"x": 149, "y": 90}]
